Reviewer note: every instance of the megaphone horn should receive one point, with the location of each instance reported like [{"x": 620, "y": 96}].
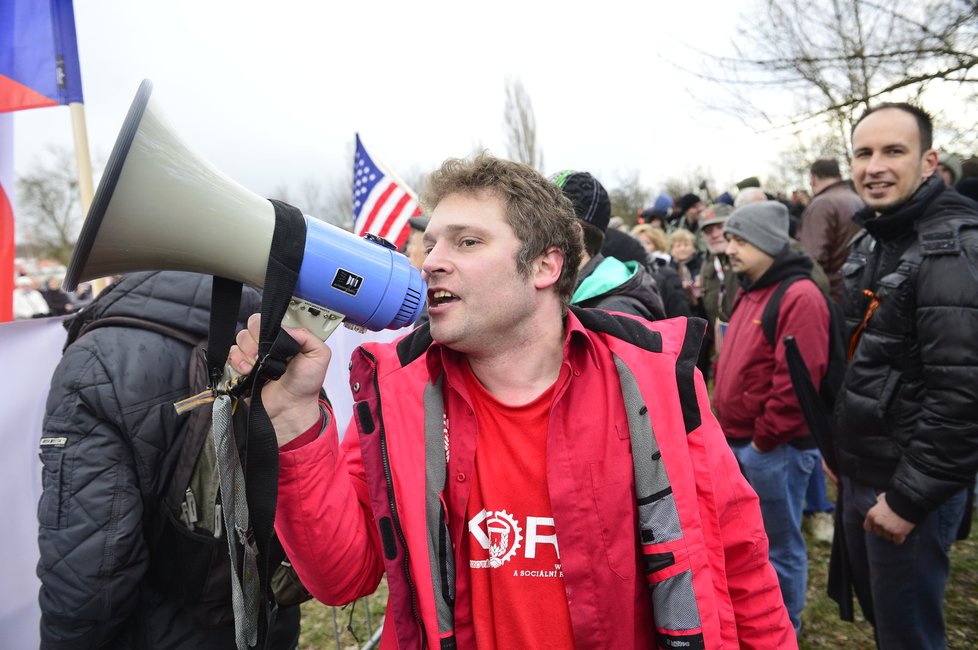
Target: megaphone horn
[{"x": 159, "y": 206}]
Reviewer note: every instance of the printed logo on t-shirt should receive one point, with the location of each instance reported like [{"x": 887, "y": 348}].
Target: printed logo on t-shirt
[{"x": 500, "y": 535}]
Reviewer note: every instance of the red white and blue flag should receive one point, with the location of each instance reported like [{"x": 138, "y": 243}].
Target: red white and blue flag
[
  {"x": 38, "y": 67},
  {"x": 38, "y": 54},
  {"x": 382, "y": 203}
]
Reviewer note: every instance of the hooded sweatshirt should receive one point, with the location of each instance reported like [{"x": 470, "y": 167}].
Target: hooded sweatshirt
[
  {"x": 753, "y": 395},
  {"x": 612, "y": 285}
]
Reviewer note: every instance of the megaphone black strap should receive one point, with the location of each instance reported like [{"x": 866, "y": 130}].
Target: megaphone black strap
[
  {"x": 274, "y": 363},
  {"x": 281, "y": 275},
  {"x": 275, "y": 348}
]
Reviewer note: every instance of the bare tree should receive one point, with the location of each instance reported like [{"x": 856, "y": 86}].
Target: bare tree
[
  {"x": 629, "y": 198},
  {"x": 49, "y": 212},
  {"x": 331, "y": 199},
  {"x": 697, "y": 180},
  {"x": 836, "y": 58},
  {"x": 791, "y": 170},
  {"x": 327, "y": 199},
  {"x": 521, "y": 126}
]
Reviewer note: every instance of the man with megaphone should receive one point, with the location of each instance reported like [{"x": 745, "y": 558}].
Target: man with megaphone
[{"x": 510, "y": 422}]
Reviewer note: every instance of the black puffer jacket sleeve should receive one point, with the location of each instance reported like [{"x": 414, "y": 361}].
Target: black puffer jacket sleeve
[
  {"x": 942, "y": 456},
  {"x": 104, "y": 437}
]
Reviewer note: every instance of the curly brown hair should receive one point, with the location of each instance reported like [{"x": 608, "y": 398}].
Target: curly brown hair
[{"x": 537, "y": 211}]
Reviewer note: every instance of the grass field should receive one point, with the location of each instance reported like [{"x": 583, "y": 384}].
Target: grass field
[
  {"x": 823, "y": 629},
  {"x": 322, "y": 625}
]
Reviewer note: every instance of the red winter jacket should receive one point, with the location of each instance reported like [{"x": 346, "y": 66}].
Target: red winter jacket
[
  {"x": 348, "y": 513},
  {"x": 752, "y": 389}
]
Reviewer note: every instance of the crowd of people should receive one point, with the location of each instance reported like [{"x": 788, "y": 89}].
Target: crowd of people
[
  {"x": 34, "y": 299},
  {"x": 628, "y": 391}
]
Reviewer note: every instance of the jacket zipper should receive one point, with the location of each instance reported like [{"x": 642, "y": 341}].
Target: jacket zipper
[{"x": 389, "y": 480}]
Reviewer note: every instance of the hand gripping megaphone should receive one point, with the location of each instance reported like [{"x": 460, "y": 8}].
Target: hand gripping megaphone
[{"x": 159, "y": 206}]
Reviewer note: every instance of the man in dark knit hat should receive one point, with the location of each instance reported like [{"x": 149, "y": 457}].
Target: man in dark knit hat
[
  {"x": 688, "y": 217},
  {"x": 605, "y": 282},
  {"x": 753, "y": 394}
]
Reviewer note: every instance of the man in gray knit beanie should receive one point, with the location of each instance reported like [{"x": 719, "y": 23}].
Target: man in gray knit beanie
[
  {"x": 763, "y": 225},
  {"x": 752, "y": 392}
]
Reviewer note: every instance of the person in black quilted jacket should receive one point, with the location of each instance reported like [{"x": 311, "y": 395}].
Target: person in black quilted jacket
[{"x": 111, "y": 438}]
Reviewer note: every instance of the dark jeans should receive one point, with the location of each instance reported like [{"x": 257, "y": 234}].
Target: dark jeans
[{"x": 906, "y": 582}]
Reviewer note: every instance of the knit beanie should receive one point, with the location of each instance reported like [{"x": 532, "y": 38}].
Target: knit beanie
[
  {"x": 663, "y": 203},
  {"x": 687, "y": 201},
  {"x": 763, "y": 224},
  {"x": 953, "y": 164},
  {"x": 591, "y": 202}
]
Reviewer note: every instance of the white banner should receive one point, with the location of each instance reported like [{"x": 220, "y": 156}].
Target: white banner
[{"x": 30, "y": 351}]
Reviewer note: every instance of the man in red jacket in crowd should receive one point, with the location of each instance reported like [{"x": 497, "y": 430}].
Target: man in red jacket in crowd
[
  {"x": 508, "y": 423},
  {"x": 754, "y": 399}
]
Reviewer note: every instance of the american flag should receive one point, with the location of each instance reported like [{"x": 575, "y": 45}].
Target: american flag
[{"x": 382, "y": 203}]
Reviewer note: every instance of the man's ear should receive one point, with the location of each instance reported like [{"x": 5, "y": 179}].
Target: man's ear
[
  {"x": 929, "y": 163},
  {"x": 547, "y": 267}
]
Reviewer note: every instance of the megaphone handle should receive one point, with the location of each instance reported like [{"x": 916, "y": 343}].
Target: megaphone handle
[{"x": 320, "y": 321}]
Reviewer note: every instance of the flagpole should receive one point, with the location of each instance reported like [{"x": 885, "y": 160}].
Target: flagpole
[{"x": 86, "y": 187}]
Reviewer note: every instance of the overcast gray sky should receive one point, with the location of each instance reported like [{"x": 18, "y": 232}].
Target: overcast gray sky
[{"x": 273, "y": 92}]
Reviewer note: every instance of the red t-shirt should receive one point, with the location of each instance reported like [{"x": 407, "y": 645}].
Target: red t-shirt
[{"x": 518, "y": 598}]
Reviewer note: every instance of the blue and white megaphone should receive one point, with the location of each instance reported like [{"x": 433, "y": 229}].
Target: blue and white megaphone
[{"x": 160, "y": 206}]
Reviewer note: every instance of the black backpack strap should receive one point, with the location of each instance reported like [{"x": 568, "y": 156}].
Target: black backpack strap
[
  {"x": 769, "y": 318},
  {"x": 225, "y": 304},
  {"x": 139, "y": 323}
]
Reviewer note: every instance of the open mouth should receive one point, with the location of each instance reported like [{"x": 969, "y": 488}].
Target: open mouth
[
  {"x": 441, "y": 297},
  {"x": 876, "y": 187}
]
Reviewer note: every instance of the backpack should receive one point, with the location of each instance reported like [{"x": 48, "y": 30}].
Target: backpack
[
  {"x": 187, "y": 543},
  {"x": 817, "y": 403}
]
